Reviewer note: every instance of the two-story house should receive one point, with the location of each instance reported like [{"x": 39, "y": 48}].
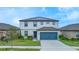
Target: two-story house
[{"x": 40, "y": 28}]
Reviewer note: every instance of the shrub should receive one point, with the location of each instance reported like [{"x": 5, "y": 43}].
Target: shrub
[
  {"x": 73, "y": 39},
  {"x": 63, "y": 38},
  {"x": 2, "y": 38},
  {"x": 77, "y": 38},
  {"x": 29, "y": 37},
  {"x": 5, "y": 38},
  {"x": 20, "y": 37}
]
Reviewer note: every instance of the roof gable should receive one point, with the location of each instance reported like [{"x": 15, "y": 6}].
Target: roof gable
[{"x": 38, "y": 19}]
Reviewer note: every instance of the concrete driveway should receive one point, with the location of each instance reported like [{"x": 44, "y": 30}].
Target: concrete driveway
[{"x": 54, "y": 45}]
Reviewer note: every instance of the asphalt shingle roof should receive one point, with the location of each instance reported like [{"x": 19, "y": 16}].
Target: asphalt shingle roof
[
  {"x": 71, "y": 27},
  {"x": 38, "y": 19},
  {"x": 4, "y": 26},
  {"x": 48, "y": 29}
]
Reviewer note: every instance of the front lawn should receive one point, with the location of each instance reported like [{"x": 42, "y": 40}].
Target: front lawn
[
  {"x": 18, "y": 49},
  {"x": 70, "y": 42},
  {"x": 20, "y": 43}
]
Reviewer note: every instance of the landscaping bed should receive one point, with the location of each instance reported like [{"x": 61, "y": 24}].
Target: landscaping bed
[
  {"x": 20, "y": 43},
  {"x": 18, "y": 49}
]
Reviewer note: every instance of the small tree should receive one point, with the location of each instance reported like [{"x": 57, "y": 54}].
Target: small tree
[
  {"x": 13, "y": 33},
  {"x": 20, "y": 36}
]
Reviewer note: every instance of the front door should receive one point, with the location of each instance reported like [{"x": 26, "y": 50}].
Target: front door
[{"x": 35, "y": 34}]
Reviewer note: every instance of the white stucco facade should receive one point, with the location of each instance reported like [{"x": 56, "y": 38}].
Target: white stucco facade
[
  {"x": 30, "y": 25},
  {"x": 30, "y": 28}
]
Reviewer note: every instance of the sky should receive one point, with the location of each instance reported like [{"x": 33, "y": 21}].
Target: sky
[{"x": 65, "y": 15}]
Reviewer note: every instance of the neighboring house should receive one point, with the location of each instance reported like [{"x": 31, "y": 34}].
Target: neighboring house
[
  {"x": 40, "y": 28},
  {"x": 70, "y": 31},
  {"x": 4, "y": 28}
]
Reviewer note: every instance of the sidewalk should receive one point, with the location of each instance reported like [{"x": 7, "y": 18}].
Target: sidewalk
[{"x": 37, "y": 47}]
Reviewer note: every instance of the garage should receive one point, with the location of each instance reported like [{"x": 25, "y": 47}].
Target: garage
[{"x": 48, "y": 35}]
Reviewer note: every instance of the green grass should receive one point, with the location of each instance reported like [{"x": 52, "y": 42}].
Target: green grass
[
  {"x": 71, "y": 42},
  {"x": 18, "y": 49},
  {"x": 20, "y": 43}
]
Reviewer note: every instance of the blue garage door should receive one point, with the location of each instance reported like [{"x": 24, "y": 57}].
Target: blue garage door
[{"x": 48, "y": 35}]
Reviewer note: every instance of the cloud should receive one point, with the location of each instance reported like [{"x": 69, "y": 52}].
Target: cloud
[
  {"x": 65, "y": 9},
  {"x": 9, "y": 15},
  {"x": 15, "y": 21},
  {"x": 68, "y": 13},
  {"x": 73, "y": 16},
  {"x": 43, "y": 9}
]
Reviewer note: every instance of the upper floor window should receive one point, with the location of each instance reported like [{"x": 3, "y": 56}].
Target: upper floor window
[
  {"x": 41, "y": 23},
  {"x": 35, "y": 24},
  {"x": 53, "y": 23},
  {"x": 47, "y": 22},
  {"x": 25, "y": 33},
  {"x": 25, "y": 24}
]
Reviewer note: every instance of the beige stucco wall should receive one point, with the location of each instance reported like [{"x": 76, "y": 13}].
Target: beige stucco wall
[
  {"x": 3, "y": 33},
  {"x": 69, "y": 34}
]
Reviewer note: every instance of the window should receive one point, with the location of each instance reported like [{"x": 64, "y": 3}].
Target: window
[
  {"x": 53, "y": 23},
  {"x": 25, "y": 24},
  {"x": 41, "y": 23},
  {"x": 25, "y": 33},
  {"x": 47, "y": 22},
  {"x": 35, "y": 24},
  {"x": 77, "y": 34}
]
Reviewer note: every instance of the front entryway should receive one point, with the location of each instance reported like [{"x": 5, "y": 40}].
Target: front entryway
[{"x": 35, "y": 34}]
